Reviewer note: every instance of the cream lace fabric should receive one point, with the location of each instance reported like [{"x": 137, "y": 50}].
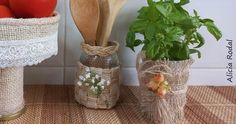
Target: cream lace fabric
[{"x": 27, "y": 52}]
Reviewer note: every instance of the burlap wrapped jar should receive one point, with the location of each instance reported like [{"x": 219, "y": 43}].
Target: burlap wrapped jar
[
  {"x": 22, "y": 42},
  {"x": 167, "y": 109},
  {"x": 104, "y": 62}
]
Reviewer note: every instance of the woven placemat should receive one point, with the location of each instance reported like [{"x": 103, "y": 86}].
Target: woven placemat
[{"x": 56, "y": 105}]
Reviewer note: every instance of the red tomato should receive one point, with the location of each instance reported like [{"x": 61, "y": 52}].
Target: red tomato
[
  {"x": 4, "y": 2},
  {"x": 32, "y": 8},
  {"x": 5, "y": 12}
]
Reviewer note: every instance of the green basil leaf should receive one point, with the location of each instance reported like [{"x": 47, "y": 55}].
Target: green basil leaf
[
  {"x": 139, "y": 26},
  {"x": 183, "y": 53},
  {"x": 143, "y": 13},
  {"x": 150, "y": 2},
  {"x": 193, "y": 51},
  {"x": 195, "y": 12},
  {"x": 200, "y": 39},
  {"x": 150, "y": 31},
  {"x": 152, "y": 50},
  {"x": 164, "y": 9},
  {"x": 183, "y": 2},
  {"x": 130, "y": 40},
  {"x": 152, "y": 14},
  {"x": 137, "y": 42},
  {"x": 174, "y": 33},
  {"x": 211, "y": 27}
]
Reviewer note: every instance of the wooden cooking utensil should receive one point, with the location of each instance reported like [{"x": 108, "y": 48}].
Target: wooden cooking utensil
[
  {"x": 86, "y": 14},
  {"x": 109, "y": 10}
]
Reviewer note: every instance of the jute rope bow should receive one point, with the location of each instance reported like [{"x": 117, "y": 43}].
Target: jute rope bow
[{"x": 99, "y": 50}]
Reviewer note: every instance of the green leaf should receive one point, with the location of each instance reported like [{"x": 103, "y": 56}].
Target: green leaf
[
  {"x": 152, "y": 14},
  {"x": 183, "y": 53},
  {"x": 150, "y": 31},
  {"x": 139, "y": 26},
  {"x": 200, "y": 39},
  {"x": 152, "y": 50},
  {"x": 150, "y": 2},
  {"x": 138, "y": 42},
  {"x": 174, "y": 33},
  {"x": 212, "y": 28},
  {"x": 143, "y": 13},
  {"x": 195, "y": 12},
  {"x": 164, "y": 9},
  {"x": 183, "y": 2},
  {"x": 193, "y": 51},
  {"x": 130, "y": 40},
  {"x": 207, "y": 20}
]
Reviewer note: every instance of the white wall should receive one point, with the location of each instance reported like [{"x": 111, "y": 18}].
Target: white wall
[{"x": 209, "y": 70}]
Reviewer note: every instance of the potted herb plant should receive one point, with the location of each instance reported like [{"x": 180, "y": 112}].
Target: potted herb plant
[{"x": 170, "y": 37}]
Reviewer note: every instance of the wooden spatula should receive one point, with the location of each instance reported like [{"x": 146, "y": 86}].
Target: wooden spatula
[
  {"x": 86, "y": 15},
  {"x": 109, "y": 10}
]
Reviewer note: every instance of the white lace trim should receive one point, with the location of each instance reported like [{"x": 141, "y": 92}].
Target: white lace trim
[{"x": 27, "y": 52}]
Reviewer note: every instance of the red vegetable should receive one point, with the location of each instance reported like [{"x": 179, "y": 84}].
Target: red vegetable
[
  {"x": 32, "y": 8},
  {"x": 4, "y": 2},
  {"x": 5, "y": 12}
]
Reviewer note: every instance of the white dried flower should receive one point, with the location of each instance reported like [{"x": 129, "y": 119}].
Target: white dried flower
[
  {"x": 88, "y": 75},
  {"x": 101, "y": 83},
  {"x": 97, "y": 76},
  {"x": 81, "y": 78},
  {"x": 93, "y": 89},
  {"x": 79, "y": 83},
  {"x": 102, "y": 87},
  {"x": 166, "y": 83},
  {"x": 93, "y": 81},
  {"x": 87, "y": 69},
  {"x": 108, "y": 82}
]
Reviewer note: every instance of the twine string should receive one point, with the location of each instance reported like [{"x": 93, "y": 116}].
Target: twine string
[
  {"x": 100, "y": 50},
  {"x": 163, "y": 110}
]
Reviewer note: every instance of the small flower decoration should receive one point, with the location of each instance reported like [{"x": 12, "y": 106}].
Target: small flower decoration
[
  {"x": 92, "y": 80},
  {"x": 159, "y": 85}
]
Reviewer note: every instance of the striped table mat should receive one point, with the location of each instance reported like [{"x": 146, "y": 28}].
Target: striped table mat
[{"x": 56, "y": 105}]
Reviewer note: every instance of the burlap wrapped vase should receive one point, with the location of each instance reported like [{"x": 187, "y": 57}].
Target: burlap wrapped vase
[
  {"x": 98, "y": 76},
  {"x": 22, "y": 42},
  {"x": 167, "y": 109}
]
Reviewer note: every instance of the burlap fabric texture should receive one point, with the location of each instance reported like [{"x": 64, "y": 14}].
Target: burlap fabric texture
[
  {"x": 18, "y": 47},
  {"x": 110, "y": 95},
  {"x": 11, "y": 91},
  {"x": 167, "y": 109},
  {"x": 27, "y": 29}
]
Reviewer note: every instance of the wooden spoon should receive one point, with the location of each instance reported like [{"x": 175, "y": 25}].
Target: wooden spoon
[
  {"x": 109, "y": 10},
  {"x": 86, "y": 15}
]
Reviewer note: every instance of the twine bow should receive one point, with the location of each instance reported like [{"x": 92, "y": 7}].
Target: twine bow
[{"x": 164, "y": 111}]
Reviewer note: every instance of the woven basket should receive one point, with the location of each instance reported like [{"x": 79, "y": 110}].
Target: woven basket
[
  {"x": 18, "y": 48},
  {"x": 167, "y": 109},
  {"x": 109, "y": 96}
]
